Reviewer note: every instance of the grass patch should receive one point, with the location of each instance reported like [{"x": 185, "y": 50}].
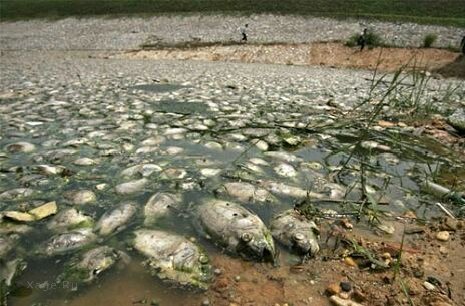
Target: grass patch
[
  {"x": 444, "y": 12},
  {"x": 372, "y": 40},
  {"x": 429, "y": 40}
]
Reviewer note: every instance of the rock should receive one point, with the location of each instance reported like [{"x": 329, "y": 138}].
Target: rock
[
  {"x": 217, "y": 271},
  {"x": 205, "y": 302},
  {"x": 443, "y": 236},
  {"x": 350, "y": 262},
  {"x": 428, "y": 286},
  {"x": 457, "y": 120},
  {"x": 341, "y": 302},
  {"x": 18, "y": 216},
  {"x": 449, "y": 224},
  {"x": 443, "y": 250},
  {"x": 21, "y": 146},
  {"x": 384, "y": 123},
  {"x": 44, "y": 210},
  {"x": 346, "y": 286},
  {"x": 333, "y": 289},
  {"x": 386, "y": 228}
]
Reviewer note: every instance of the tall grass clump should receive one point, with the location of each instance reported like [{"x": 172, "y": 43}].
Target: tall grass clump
[
  {"x": 372, "y": 40},
  {"x": 429, "y": 40}
]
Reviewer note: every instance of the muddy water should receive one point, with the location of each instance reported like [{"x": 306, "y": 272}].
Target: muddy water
[{"x": 393, "y": 172}]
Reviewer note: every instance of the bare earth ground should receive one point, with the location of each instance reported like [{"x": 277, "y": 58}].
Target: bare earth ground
[
  {"x": 444, "y": 62},
  {"x": 423, "y": 257}
]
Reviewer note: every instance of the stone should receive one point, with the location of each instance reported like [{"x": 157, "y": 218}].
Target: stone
[
  {"x": 443, "y": 236},
  {"x": 443, "y": 250},
  {"x": 350, "y": 262},
  {"x": 428, "y": 286},
  {"x": 205, "y": 302},
  {"x": 44, "y": 211},
  {"x": 346, "y": 286},
  {"x": 457, "y": 120},
  {"x": 332, "y": 289},
  {"x": 449, "y": 224},
  {"x": 341, "y": 302},
  {"x": 18, "y": 216},
  {"x": 217, "y": 271}
]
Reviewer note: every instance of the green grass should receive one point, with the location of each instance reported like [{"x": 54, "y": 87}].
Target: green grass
[
  {"x": 444, "y": 12},
  {"x": 429, "y": 40}
]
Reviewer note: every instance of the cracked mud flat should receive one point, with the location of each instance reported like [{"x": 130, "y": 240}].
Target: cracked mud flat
[{"x": 200, "y": 125}]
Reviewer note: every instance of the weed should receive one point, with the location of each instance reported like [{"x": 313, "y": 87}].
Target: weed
[
  {"x": 429, "y": 40},
  {"x": 372, "y": 40}
]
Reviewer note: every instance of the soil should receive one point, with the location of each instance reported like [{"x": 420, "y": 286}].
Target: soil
[
  {"x": 440, "y": 61},
  {"x": 422, "y": 258}
]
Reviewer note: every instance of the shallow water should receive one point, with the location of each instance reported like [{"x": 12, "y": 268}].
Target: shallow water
[{"x": 124, "y": 126}]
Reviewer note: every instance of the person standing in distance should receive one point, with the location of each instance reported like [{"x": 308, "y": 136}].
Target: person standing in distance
[
  {"x": 244, "y": 32},
  {"x": 362, "y": 39}
]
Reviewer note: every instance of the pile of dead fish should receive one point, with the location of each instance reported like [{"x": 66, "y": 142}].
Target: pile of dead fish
[{"x": 148, "y": 170}]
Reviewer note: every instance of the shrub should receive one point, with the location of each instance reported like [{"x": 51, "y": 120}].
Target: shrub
[
  {"x": 372, "y": 40},
  {"x": 429, "y": 40}
]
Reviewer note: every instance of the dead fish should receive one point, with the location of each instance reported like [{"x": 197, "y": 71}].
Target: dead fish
[
  {"x": 86, "y": 268},
  {"x": 70, "y": 241},
  {"x": 174, "y": 258},
  {"x": 245, "y": 192},
  {"x": 288, "y": 190},
  {"x": 237, "y": 229},
  {"x": 296, "y": 232},
  {"x": 21, "y": 146},
  {"x": 160, "y": 205},
  {"x": 131, "y": 186},
  {"x": 16, "y": 193},
  {"x": 69, "y": 219},
  {"x": 116, "y": 220}
]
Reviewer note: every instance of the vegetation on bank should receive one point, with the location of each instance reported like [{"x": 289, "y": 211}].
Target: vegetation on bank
[{"x": 442, "y": 12}]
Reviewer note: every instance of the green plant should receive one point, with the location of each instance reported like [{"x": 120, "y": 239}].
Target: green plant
[
  {"x": 429, "y": 40},
  {"x": 372, "y": 40}
]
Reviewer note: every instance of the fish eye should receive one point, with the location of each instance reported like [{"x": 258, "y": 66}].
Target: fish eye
[
  {"x": 298, "y": 236},
  {"x": 246, "y": 237},
  {"x": 203, "y": 259}
]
